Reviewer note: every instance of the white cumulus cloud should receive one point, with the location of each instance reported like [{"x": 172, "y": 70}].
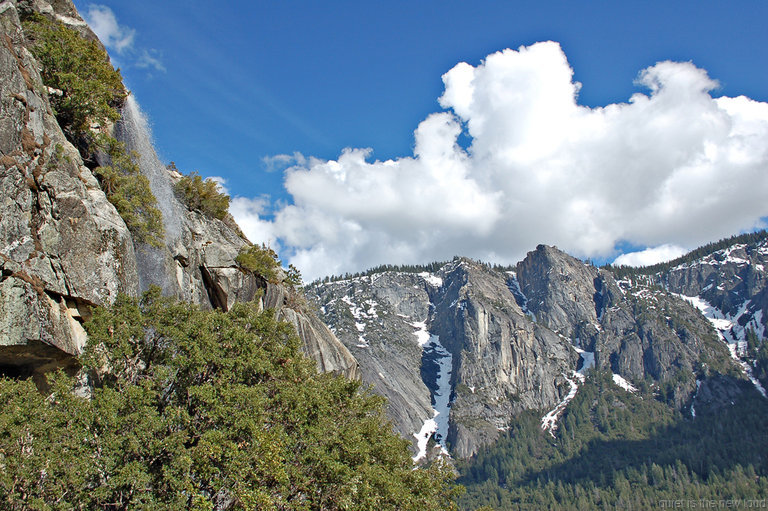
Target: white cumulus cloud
[
  {"x": 650, "y": 256},
  {"x": 673, "y": 165}
]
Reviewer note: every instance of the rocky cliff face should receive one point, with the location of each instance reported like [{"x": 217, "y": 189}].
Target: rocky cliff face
[
  {"x": 516, "y": 340},
  {"x": 732, "y": 281},
  {"x": 635, "y": 331},
  {"x": 728, "y": 286},
  {"x": 64, "y": 248}
]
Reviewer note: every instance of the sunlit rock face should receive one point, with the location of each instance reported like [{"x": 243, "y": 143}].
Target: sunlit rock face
[
  {"x": 456, "y": 332},
  {"x": 64, "y": 248},
  {"x": 519, "y": 338}
]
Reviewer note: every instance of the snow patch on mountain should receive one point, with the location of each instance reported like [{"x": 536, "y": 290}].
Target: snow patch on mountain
[
  {"x": 422, "y": 438},
  {"x": 442, "y": 395},
  {"x": 624, "y": 384},
  {"x": 730, "y": 332},
  {"x": 432, "y": 280},
  {"x": 587, "y": 360},
  {"x": 549, "y": 421},
  {"x": 514, "y": 286},
  {"x": 361, "y": 315},
  {"x": 421, "y": 333},
  {"x": 693, "y": 400},
  {"x": 437, "y": 426}
]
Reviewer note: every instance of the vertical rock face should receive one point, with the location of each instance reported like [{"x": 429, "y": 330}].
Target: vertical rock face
[
  {"x": 504, "y": 363},
  {"x": 516, "y": 338},
  {"x": 733, "y": 280},
  {"x": 561, "y": 292},
  {"x": 63, "y": 246},
  {"x": 375, "y": 318}
]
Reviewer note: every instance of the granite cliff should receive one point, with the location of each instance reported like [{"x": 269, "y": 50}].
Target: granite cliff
[
  {"x": 64, "y": 248},
  {"x": 493, "y": 342},
  {"x": 460, "y": 349}
]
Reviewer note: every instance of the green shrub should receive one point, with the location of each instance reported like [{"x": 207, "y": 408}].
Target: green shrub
[
  {"x": 200, "y": 410},
  {"x": 293, "y": 276},
  {"x": 261, "y": 260},
  {"x": 129, "y": 191},
  {"x": 92, "y": 89},
  {"x": 202, "y": 195}
]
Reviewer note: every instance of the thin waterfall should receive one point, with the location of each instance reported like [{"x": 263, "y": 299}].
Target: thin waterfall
[
  {"x": 436, "y": 368},
  {"x": 155, "y": 265},
  {"x": 440, "y": 387},
  {"x": 133, "y": 129}
]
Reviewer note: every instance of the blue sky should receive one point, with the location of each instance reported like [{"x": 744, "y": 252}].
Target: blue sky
[{"x": 230, "y": 85}]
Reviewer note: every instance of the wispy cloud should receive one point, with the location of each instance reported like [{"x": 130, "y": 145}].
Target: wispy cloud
[
  {"x": 102, "y": 21},
  {"x": 674, "y": 165},
  {"x": 283, "y": 161},
  {"x": 121, "y": 39},
  {"x": 150, "y": 59}
]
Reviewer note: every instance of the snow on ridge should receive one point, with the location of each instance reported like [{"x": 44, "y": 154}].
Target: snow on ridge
[
  {"x": 730, "y": 332},
  {"x": 624, "y": 384},
  {"x": 431, "y": 279},
  {"x": 549, "y": 421},
  {"x": 421, "y": 333},
  {"x": 729, "y": 326}
]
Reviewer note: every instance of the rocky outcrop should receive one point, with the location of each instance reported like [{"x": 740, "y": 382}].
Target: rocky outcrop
[
  {"x": 636, "y": 331},
  {"x": 733, "y": 280},
  {"x": 63, "y": 246},
  {"x": 502, "y": 363},
  {"x": 515, "y": 337},
  {"x": 374, "y": 318}
]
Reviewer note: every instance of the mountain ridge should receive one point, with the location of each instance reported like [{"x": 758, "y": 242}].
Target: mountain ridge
[{"x": 636, "y": 331}]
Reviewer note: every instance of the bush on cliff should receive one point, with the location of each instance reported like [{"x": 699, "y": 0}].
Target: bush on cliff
[
  {"x": 261, "y": 260},
  {"x": 90, "y": 92},
  {"x": 129, "y": 191},
  {"x": 91, "y": 89},
  {"x": 202, "y": 195},
  {"x": 204, "y": 410}
]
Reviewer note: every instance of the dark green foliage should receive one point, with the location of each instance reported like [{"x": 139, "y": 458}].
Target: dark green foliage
[
  {"x": 293, "y": 276},
  {"x": 757, "y": 351},
  {"x": 91, "y": 88},
  {"x": 614, "y": 449},
  {"x": 204, "y": 410},
  {"x": 129, "y": 191},
  {"x": 202, "y": 195},
  {"x": 402, "y": 268},
  {"x": 261, "y": 260}
]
